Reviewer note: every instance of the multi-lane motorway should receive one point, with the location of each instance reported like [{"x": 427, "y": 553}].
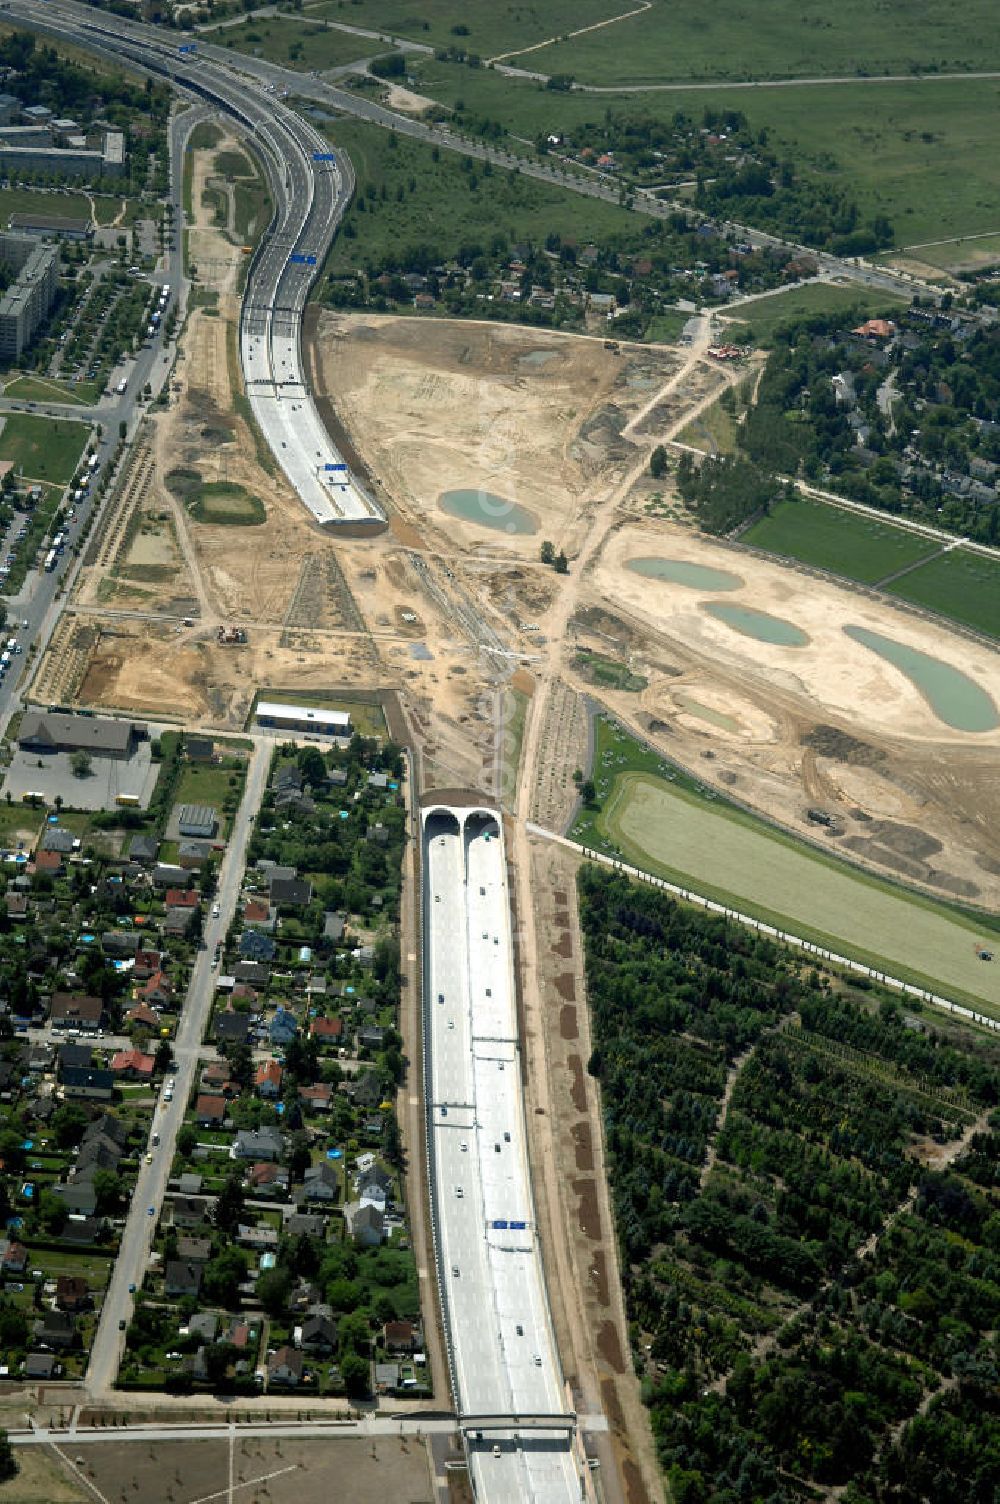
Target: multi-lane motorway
[
  {"x": 504, "y": 1363},
  {"x": 310, "y": 189}
]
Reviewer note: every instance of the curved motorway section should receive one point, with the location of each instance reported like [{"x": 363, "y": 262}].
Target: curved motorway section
[
  {"x": 310, "y": 188},
  {"x": 507, "y": 1381}
]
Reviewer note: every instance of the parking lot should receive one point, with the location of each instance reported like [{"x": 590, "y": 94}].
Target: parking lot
[{"x": 52, "y": 776}]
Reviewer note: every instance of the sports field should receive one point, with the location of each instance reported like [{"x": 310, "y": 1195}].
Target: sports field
[
  {"x": 661, "y": 819},
  {"x": 831, "y": 538},
  {"x": 959, "y": 584},
  {"x": 679, "y": 835}
]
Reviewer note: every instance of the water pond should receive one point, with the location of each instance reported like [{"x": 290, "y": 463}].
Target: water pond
[
  {"x": 682, "y": 572},
  {"x": 487, "y": 510},
  {"x": 758, "y": 624},
  {"x": 953, "y": 696}
]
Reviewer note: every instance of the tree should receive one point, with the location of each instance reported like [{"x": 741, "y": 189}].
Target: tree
[
  {"x": 588, "y": 792},
  {"x": 658, "y": 462},
  {"x": 356, "y": 1373},
  {"x": 561, "y": 564},
  {"x": 164, "y": 1055},
  {"x": 223, "y": 1276},
  {"x": 8, "y": 1462},
  {"x": 548, "y": 553},
  {"x": 68, "y": 1123},
  {"x": 229, "y": 1207},
  {"x": 81, "y": 764},
  {"x": 299, "y": 1157},
  {"x": 239, "y": 1058},
  {"x": 312, "y": 766},
  {"x": 274, "y": 1287}
]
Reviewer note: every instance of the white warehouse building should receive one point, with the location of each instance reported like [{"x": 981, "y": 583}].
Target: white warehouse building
[{"x": 303, "y": 718}]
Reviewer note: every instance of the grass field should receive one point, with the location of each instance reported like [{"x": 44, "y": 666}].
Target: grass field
[
  {"x": 920, "y": 152},
  {"x": 608, "y": 672},
  {"x": 831, "y": 538},
  {"x": 220, "y": 501},
  {"x": 43, "y": 389},
  {"x": 412, "y": 199},
  {"x": 43, "y": 448},
  {"x": 485, "y": 29},
  {"x": 758, "y": 322},
  {"x": 791, "y": 38},
  {"x": 959, "y": 584},
  {"x": 662, "y": 821},
  {"x": 34, "y": 201},
  {"x": 299, "y": 44}
]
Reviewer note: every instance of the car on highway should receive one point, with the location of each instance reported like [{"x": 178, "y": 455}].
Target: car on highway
[
  {"x": 122, "y": 1324},
  {"x": 151, "y": 1211},
  {"x": 131, "y": 1289},
  {"x": 215, "y": 911},
  {"x": 149, "y": 1159}
]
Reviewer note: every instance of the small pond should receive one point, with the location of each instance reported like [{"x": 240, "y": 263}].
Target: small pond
[
  {"x": 487, "y": 510},
  {"x": 758, "y": 624},
  {"x": 953, "y": 696},
  {"x": 681, "y": 572}
]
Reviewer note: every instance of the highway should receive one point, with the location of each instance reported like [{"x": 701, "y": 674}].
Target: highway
[
  {"x": 310, "y": 188},
  {"x": 130, "y": 1265},
  {"x": 506, "y": 1376}
]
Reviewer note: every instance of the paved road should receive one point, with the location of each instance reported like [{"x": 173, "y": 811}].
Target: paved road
[{"x": 130, "y": 1264}]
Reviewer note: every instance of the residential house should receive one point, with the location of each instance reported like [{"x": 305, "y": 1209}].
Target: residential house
[
  {"x": 378, "y": 781},
  {"x": 370, "y": 1037},
  {"x": 143, "y": 1016},
  {"x": 292, "y": 892},
  {"x": 190, "y": 1211},
  {"x": 49, "y": 862},
  {"x": 365, "y": 1224},
  {"x": 191, "y": 855},
  {"x": 267, "y": 1080},
  {"x": 259, "y": 915},
  {"x": 199, "y": 748},
  {"x": 82, "y": 1084},
  {"x": 179, "y": 922},
  {"x": 78, "y": 1196},
  {"x": 132, "y": 1065},
  {"x": 285, "y": 1368},
  {"x": 182, "y": 1277},
  {"x": 55, "y": 1330},
  {"x": 85, "y": 1233},
  {"x": 181, "y": 898},
  {"x": 210, "y": 1110},
  {"x": 13, "y": 1256},
  {"x": 143, "y": 848},
  {"x": 157, "y": 991},
  {"x": 373, "y": 1182},
  {"x": 259, "y": 1239},
  {"x": 121, "y": 944},
  {"x": 76, "y": 1056},
  {"x": 283, "y": 1028},
  {"x": 318, "y": 1332},
  {"x": 17, "y": 905},
  {"x": 107, "y": 1126},
  {"x": 268, "y": 1181},
  {"x": 258, "y": 1144},
  {"x": 204, "y": 1324},
  {"x": 41, "y": 1366},
  {"x": 73, "y": 1010},
  {"x": 316, "y": 1098},
  {"x": 73, "y": 1293},
  {"x": 326, "y": 1030},
  {"x": 252, "y": 972},
  {"x": 321, "y": 1183},
  {"x": 147, "y": 963},
  {"x": 386, "y": 1377},
  {"x": 401, "y": 1337},
  {"x": 256, "y": 946},
  {"x": 166, "y": 875},
  {"x": 305, "y": 1225},
  {"x": 56, "y": 838},
  {"x": 231, "y": 1027},
  {"x": 216, "y": 1080},
  {"x": 194, "y": 1250}
]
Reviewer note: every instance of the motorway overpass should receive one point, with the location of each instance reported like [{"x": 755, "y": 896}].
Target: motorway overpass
[{"x": 310, "y": 188}]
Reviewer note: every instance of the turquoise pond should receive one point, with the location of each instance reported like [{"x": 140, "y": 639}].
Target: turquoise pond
[
  {"x": 681, "y": 572},
  {"x": 953, "y": 696},
  {"x": 758, "y": 624},
  {"x": 487, "y": 510}
]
